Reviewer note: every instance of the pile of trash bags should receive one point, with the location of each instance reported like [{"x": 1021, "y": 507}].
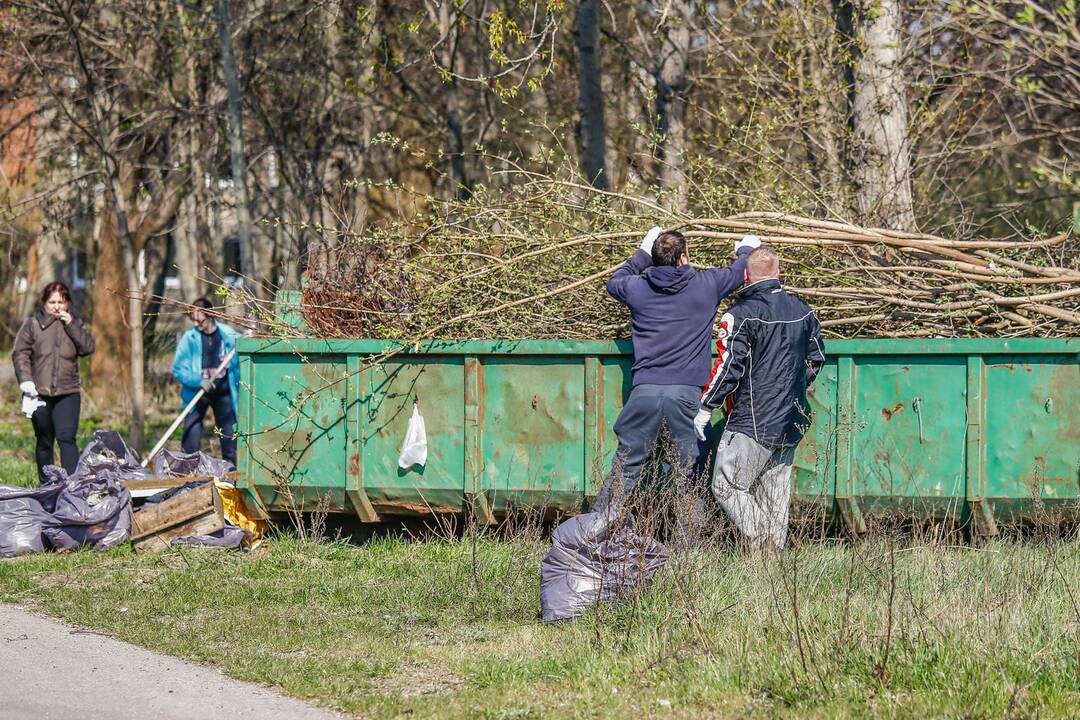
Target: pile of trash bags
[
  {"x": 88, "y": 509},
  {"x": 595, "y": 557},
  {"x": 91, "y": 507}
]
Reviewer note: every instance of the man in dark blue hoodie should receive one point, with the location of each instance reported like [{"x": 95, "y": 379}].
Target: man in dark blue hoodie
[{"x": 672, "y": 310}]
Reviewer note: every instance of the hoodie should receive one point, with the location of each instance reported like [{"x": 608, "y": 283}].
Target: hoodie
[{"x": 672, "y": 310}]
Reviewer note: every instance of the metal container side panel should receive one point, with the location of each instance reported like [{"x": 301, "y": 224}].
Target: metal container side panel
[
  {"x": 244, "y": 424},
  {"x": 1032, "y": 451},
  {"x": 908, "y": 441},
  {"x": 814, "y": 472},
  {"x": 297, "y": 441},
  {"x": 388, "y": 392},
  {"x": 891, "y": 464},
  {"x": 532, "y": 431},
  {"x": 617, "y": 382}
]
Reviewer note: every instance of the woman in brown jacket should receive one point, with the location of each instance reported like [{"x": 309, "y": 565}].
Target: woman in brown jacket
[{"x": 46, "y": 355}]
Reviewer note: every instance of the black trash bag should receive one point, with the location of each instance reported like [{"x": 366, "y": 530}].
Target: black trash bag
[
  {"x": 229, "y": 537},
  {"x": 173, "y": 464},
  {"x": 594, "y": 557},
  {"x": 65, "y": 513},
  {"x": 107, "y": 451}
]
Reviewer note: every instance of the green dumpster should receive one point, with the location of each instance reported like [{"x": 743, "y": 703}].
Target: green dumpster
[{"x": 986, "y": 429}]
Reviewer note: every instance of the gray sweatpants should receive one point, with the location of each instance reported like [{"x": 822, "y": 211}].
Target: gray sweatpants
[{"x": 752, "y": 483}]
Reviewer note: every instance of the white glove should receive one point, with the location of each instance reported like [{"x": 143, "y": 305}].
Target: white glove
[
  {"x": 650, "y": 238},
  {"x": 27, "y": 387},
  {"x": 748, "y": 241},
  {"x": 701, "y": 422},
  {"x": 30, "y": 405}
]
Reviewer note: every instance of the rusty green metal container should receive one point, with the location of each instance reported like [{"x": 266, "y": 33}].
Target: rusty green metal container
[{"x": 980, "y": 429}]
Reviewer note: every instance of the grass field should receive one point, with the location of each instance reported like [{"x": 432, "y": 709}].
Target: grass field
[{"x": 893, "y": 626}]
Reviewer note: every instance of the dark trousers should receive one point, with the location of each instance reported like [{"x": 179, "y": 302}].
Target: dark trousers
[
  {"x": 57, "y": 422},
  {"x": 649, "y": 409},
  {"x": 224, "y": 422}
]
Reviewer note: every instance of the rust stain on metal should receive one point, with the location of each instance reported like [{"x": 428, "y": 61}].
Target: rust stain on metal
[{"x": 888, "y": 414}]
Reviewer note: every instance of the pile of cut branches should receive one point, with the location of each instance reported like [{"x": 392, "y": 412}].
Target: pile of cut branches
[{"x": 532, "y": 263}]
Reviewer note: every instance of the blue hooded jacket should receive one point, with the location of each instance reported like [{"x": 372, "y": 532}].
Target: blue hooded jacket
[
  {"x": 187, "y": 364},
  {"x": 672, "y": 310}
]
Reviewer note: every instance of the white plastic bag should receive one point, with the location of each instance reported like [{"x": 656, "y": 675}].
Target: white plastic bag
[{"x": 414, "y": 449}]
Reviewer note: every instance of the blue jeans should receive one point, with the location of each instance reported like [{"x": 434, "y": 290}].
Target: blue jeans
[
  {"x": 648, "y": 409},
  {"x": 224, "y": 420}
]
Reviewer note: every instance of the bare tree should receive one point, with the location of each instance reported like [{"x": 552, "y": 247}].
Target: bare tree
[
  {"x": 110, "y": 57},
  {"x": 881, "y": 154},
  {"x": 671, "y": 87},
  {"x": 236, "y": 140},
  {"x": 590, "y": 96}
]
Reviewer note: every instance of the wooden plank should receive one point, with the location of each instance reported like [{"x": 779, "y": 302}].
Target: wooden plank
[
  {"x": 204, "y": 524},
  {"x": 162, "y": 483},
  {"x": 362, "y": 505},
  {"x": 175, "y": 511}
]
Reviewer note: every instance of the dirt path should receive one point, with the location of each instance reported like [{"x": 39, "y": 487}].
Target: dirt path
[{"x": 52, "y": 670}]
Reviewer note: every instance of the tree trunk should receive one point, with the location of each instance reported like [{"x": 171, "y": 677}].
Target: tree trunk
[
  {"x": 236, "y": 146},
  {"x": 881, "y": 157},
  {"x": 448, "y": 29},
  {"x": 671, "y": 103},
  {"x": 111, "y": 362},
  {"x": 117, "y": 288},
  {"x": 590, "y": 95},
  {"x": 823, "y": 128},
  {"x": 193, "y": 226},
  {"x": 188, "y": 238}
]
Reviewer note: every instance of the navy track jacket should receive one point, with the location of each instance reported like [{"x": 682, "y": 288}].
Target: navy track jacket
[
  {"x": 769, "y": 351},
  {"x": 672, "y": 310}
]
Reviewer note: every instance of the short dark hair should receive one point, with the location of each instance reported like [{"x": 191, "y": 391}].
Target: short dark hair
[
  {"x": 668, "y": 248},
  {"x": 202, "y": 303},
  {"x": 56, "y": 287}
]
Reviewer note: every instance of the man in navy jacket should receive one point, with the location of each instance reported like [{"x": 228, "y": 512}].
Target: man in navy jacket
[
  {"x": 770, "y": 351},
  {"x": 672, "y": 310}
]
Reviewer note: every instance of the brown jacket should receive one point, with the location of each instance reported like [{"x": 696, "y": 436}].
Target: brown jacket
[{"x": 47, "y": 352}]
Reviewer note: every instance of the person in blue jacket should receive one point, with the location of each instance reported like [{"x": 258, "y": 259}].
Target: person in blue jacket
[
  {"x": 199, "y": 353},
  {"x": 672, "y": 309}
]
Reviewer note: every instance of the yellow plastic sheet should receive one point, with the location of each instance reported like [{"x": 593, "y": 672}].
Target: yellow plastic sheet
[{"x": 232, "y": 504}]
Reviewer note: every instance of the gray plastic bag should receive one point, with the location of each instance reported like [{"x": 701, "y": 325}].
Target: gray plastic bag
[
  {"x": 228, "y": 537},
  {"x": 594, "y": 557},
  {"x": 175, "y": 464},
  {"x": 65, "y": 513},
  {"x": 108, "y": 451},
  {"x": 20, "y": 525},
  {"x": 90, "y": 512}
]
